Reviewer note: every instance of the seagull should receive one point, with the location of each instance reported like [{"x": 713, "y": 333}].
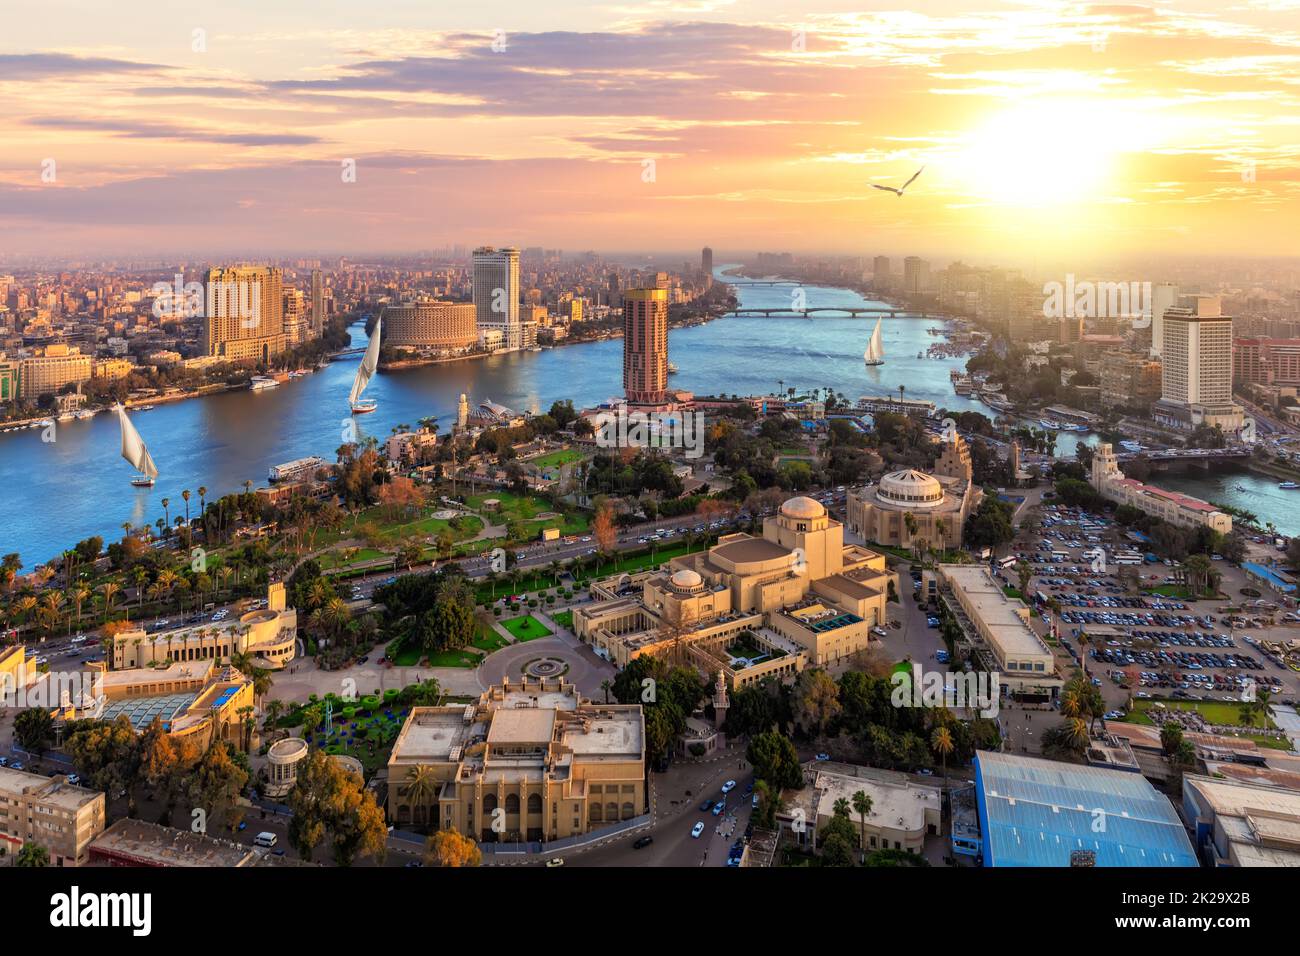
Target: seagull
[{"x": 899, "y": 192}]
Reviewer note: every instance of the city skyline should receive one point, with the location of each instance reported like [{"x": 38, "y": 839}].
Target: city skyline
[{"x": 1042, "y": 128}]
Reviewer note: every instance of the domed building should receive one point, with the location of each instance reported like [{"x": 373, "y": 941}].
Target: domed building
[
  {"x": 749, "y": 607},
  {"x": 938, "y": 503}
]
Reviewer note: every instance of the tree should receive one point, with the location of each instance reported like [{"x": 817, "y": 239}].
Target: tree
[
  {"x": 941, "y": 743},
  {"x": 421, "y": 785},
  {"x": 836, "y": 840},
  {"x": 33, "y": 728},
  {"x": 33, "y": 855},
  {"x": 862, "y": 806},
  {"x": 775, "y": 760},
  {"x": 816, "y": 700},
  {"x": 328, "y": 801},
  {"x": 449, "y": 848}
]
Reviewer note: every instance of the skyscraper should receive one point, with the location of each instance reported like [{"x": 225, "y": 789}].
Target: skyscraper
[
  {"x": 916, "y": 274},
  {"x": 244, "y": 313},
  {"x": 1196, "y": 383},
  {"x": 645, "y": 346},
  {"x": 317, "y": 302},
  {"x": 496, "y": 294},
  {"x": 880, "y": 269},
  {"x": 706, "y": 262}
]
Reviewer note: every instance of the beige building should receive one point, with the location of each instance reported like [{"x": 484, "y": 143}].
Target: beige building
[
  {"x": 269, "y": 635},
  {"x": 532, "y": 761},
  {"x": 1235, "y": 823},
  {"x": 51, "y": 368},
  {"x": 938, "y": 504},
  {"x": 1196, "y": 371},
  {"x": 1172, "y": 506},
  {"x": 750, "y": 607},
  {"x": 431, "y": 324},
  {"x": 645, "y": 346},
  {"x": 198, "y": 701},
  {"x": 51, "y": 813},
  {"x": 997, "y": 627},
  {"x": 244, "y": 313},
  {"x": 902, "y": 813},
  {"x": 112, "y": 369}
]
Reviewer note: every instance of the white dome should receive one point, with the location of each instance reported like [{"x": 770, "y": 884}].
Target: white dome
[
  {"x": 804, "y": 508},
  {"x": 686, "y": 580},
  {"x": 910, "y": 489}
]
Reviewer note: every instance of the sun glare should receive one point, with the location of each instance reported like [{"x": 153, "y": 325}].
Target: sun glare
[{"x": 1044, "y": 153}]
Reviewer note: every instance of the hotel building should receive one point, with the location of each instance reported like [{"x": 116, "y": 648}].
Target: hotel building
[
  {"x": 645, "y": 346},
  {"x": 9, "y": 379},
  {"x": 431, "y": 324},
  {"x": 1179, "y": 509},
  {"x": 496, "y": 295},
  {"x": 244, "y": 313},
  {"x": 1196, "y": 372},
  {"x": 51, "y": 368},
  {"x": 51, "y": 813},
  {"x": 749, "y": 607},
  {"x": 532, "y": 761}
]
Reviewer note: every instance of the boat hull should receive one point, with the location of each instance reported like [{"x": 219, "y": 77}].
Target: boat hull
[{"x": 364, "y": 408}]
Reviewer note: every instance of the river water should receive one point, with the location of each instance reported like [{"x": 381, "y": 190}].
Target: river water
[{"x": 54, "y": 494}]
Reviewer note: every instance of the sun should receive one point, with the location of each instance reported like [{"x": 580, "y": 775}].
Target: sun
[{"x": 1044, "y": 153}]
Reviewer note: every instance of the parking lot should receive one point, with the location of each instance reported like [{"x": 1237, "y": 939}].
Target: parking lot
[{"x": 1142, "y": 643}]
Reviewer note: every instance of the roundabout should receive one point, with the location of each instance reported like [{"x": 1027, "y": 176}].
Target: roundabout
[{"x": 547, "y": 658}]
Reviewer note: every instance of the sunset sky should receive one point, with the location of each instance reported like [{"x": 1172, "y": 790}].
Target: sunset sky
[{"x": 1043, "y": 127}]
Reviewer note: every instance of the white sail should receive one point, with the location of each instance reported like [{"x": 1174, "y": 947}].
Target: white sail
[
  {"x": 369, "y": 362},
  {"x": 133, "y": 447},
  {"x": 875, "y": 353}
]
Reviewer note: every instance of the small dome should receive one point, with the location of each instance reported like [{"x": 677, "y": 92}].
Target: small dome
[
  {"x": 686, "y": 579},
  {"x": 803, "y": 507}
]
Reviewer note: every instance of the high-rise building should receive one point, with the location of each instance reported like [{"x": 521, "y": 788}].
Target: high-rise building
[
  {"x": 297, "y": 322},
  {"x": 1163, "y": 296},
  {"x": 916, "y": 274},
  {"x": 706, "y": 262},
  {"x": 462, "y": 412},
  {"x": 317, "y": 302},
  {"x": 244, "y": 314},
  {"x": 1196, "y": 380},
  {"x": 880, "y": 269},
  {"x": 645, "y": 346},
  {"x": 496, "y": 294}
]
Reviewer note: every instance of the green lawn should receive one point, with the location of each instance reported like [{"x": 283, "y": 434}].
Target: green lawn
[
  {"x": 557, "y": 458},
  {"x": 563, "y": 618},
  {"x": 488, "y": 639},
  {"x": 525, "y": 509},
  {"x": 526, "y": 628},
  {"x": 1215, "y": 711}
]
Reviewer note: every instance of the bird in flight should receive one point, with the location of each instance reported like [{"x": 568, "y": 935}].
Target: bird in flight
[{"x": 899, "y": 192}]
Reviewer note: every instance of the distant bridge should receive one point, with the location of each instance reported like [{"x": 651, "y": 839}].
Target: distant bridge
[
  {"x": 892, "y": 313},
  {"x": 1184, "y": 455},
  {"x": 346, "y": 352},
  {"x": 789, "y": 282}
]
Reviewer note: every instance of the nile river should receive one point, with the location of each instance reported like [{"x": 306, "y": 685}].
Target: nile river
[{"x": 54, "y": 494}]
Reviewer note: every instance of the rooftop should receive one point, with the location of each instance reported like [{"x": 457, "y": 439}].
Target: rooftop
[
  {"x": 1036, "y": 812},
  {"x": 1003, "y": 616},
  {"x": 53, "y": 791},
  {"x": 150, "y": 844}
]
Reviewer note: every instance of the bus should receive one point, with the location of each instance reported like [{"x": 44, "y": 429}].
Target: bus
[{"x": 1010, "y": 561}]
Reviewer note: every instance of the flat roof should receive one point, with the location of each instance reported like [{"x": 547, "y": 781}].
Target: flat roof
[
  {"x": 522, "y": 725},
  {"x": 896, "y": 802},
  {"x": 748, "y": 550},
  {"x": 186, "y": 670},
  {"x": 151, "y": 843},
  {"x": 999, "y": 613},
  {"x": 53, "y": 791},
  {"x": 1036, "y": 812}
]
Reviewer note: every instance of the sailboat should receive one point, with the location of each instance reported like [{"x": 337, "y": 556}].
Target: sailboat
[
  {"x": 134, "y": 451},
  {"x": 875, "y": 353},
  {"x": 369, "y": 362}
]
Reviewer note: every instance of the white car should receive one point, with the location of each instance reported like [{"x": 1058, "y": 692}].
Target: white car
[
  {"x": 729, "y": 786},
  {"x": 554, "y": 862},
  {"x": 697, "y": 830}
]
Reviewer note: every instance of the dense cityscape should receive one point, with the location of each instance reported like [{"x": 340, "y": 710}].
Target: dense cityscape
[{"x": 791, "y": 549}]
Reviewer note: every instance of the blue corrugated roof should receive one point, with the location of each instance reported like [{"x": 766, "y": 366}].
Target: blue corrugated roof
[{"x": 1035, "y": 812}]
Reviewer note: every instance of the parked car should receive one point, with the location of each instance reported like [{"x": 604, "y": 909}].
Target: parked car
[
  {"x": 554, "y": 861},
  {"x": 643, "y": 842},
  {"x": 697, "y": 830},
  {"x": 729, "y": 786}
]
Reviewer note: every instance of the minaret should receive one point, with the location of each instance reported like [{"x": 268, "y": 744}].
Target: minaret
[
  {"x": 720, "y": 703},
  {"x": 462, "y": 412}
]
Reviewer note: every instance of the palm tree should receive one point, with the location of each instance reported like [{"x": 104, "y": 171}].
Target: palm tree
[
  {"x": 420, "y": 787},
  {"x": 841, "y": 808},
  {"x": 79, "y": 593},
  {"x": 862, "y": 805},
  {"x": 941, "y": 743},
  {"x": 166, "y": 514},
  {"x": 108, "y": 591},
  {"x": 53, "y": 606},
  {"x": 606, "y": 685}
]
